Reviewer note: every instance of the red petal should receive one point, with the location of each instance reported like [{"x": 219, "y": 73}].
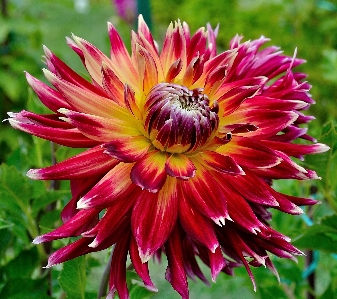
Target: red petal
[
  {"x": 68, "y": 137},
  {"x": 112, "y": 85},
  {"x": 196, "y": 225},
  {"x": 149, "y": 172},
  {"x": 140, "y": 267},
  {"x": 49, "y": 97},
  {"x": 128, "y": 149},
  {"x": 153, "y": 218},
  {"x": 89, "y": 163},
  {"x": 175, "y": 272},
  {"x": 203, "y": 192},
  {"x": 115, "y": 185},
  {"x": 180, "y": 166},
  {"x": 70, "y": 251},
  {"x": 221, "y": 163},
  {"x": 82, "y": 221},
  {"x": 117, "y": 279},
  {"x": 249, "y": 153},
  {"x": 101, "y": 128},
  {"x": 217, "y": 262}
]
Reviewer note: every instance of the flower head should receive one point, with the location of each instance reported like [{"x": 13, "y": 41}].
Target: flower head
[{"x": 183, "y": 144}]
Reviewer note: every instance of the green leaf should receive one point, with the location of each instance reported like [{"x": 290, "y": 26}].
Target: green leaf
[
  {"x": 324, "y": 164},
  {"x": 23, "y": 265},
  {"x": 73, "y": 278},
  {"x": 140, "y": 292},
  {"x": 19, "y": 288},
  {"x": 14, "y": 190},
  {"x": 321, "y": 236},
  {"x": 47, "y": 198}
]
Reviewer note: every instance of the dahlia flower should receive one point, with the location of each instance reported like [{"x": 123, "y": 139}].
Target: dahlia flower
[{"x": 182, "y": 147}]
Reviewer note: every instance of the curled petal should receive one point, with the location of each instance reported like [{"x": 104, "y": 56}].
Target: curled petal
[
  {"x": 153, "y": 218},
  {"x": 198, "y": 226},
  {"x": 82, "y": 221},
  {"x": 115, "y": 185},
  {"x": 249, "y": 153},
  {"x": 149, "y": 172},
  {"x": 221, "y": 163},
  {"x": 128, "y": 149},
  {"x": 180, "y": 166},
  {"x": 175, "y": 272},
  {"x": 140, "y": 267},
  {"x": 89, "y": 163}
]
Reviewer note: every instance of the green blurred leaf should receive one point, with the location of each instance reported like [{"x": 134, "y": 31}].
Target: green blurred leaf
[
  {"x": 321, "y": 236},
  {"x": 140, "y": 292},
  {"x": 23, "y": 265},
  {"x": 19, "y": 288},
  {"x": 14, "y": 189},
  {"x": 48, "y": 197},
  {"x": 73, "y": 278}
]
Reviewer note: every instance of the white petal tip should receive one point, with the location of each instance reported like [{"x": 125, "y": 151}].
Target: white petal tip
[
  {"x": 38, "y": 240},
  {"x": 34, "y": 174}
]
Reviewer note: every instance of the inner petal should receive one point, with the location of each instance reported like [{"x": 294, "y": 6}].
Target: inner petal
[{"x": 178, "y": 119}]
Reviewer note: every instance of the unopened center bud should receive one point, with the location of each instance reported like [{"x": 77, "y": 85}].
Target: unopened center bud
[{"x": 178, "y": 116}]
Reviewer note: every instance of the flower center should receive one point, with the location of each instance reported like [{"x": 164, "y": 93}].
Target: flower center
[{"x": 179, "y": 119}]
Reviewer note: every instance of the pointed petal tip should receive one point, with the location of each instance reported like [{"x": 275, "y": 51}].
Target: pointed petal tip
[
  {"x": 38, "y": 240},
  {"x": 82, "y": 204},
  {"x": 151, "y": 288},
  {"x": 34, "y": 174},
  {"x": 93, "y": 244},
  {"x": 144, "y": 256}
]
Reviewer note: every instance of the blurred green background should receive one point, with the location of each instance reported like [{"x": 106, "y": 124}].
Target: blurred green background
[{"x": 29, "y": 208}]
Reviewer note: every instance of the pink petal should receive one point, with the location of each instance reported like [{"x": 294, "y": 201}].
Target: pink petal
[
  {"x": 153, "y": 218},
  {"x": 49, "y": 97},
  {"x": 140, "y": 267},
  {"x": 89, "y": 163},
  {"x": 196, "y": 225},
  {"x": 221, "y": 163},
  {"x": 128, "y": 149},
  {"x": 82, "y": 221},
  {"x": 180, "y": 166},
  {"x": 115, "y": 185},
  {"x": 149, "y": 172},
  {"x": 175, "y": 272}
]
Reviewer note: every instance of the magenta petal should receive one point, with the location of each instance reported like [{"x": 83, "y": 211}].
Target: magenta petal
[
  {"x": 217, "y": 262},
  {"x": 128, "y": 149},
  {"x": 175, "y": 272},
  {"x": 82, "y": 221},
  {"x": 149, "y": 172},
  {"x": 70, "y": 251},
  {"x": 196, "y": 225},
  {"x": 203, "y": 192},
  {"x": 117, "y": 279},
  {"x": 153, "y": 218},
  {"x": 89, "y": 163},
  {"x": 140, "y": 267},
  {"x": 51, "y": 98},
  {"x": 114, "y": 186}
]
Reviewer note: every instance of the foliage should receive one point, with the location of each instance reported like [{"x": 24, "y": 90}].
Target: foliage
[{"x": 29, "y": 208}]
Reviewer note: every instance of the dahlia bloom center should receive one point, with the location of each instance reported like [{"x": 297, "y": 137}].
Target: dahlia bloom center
[{"x": 179, "y": 119}]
